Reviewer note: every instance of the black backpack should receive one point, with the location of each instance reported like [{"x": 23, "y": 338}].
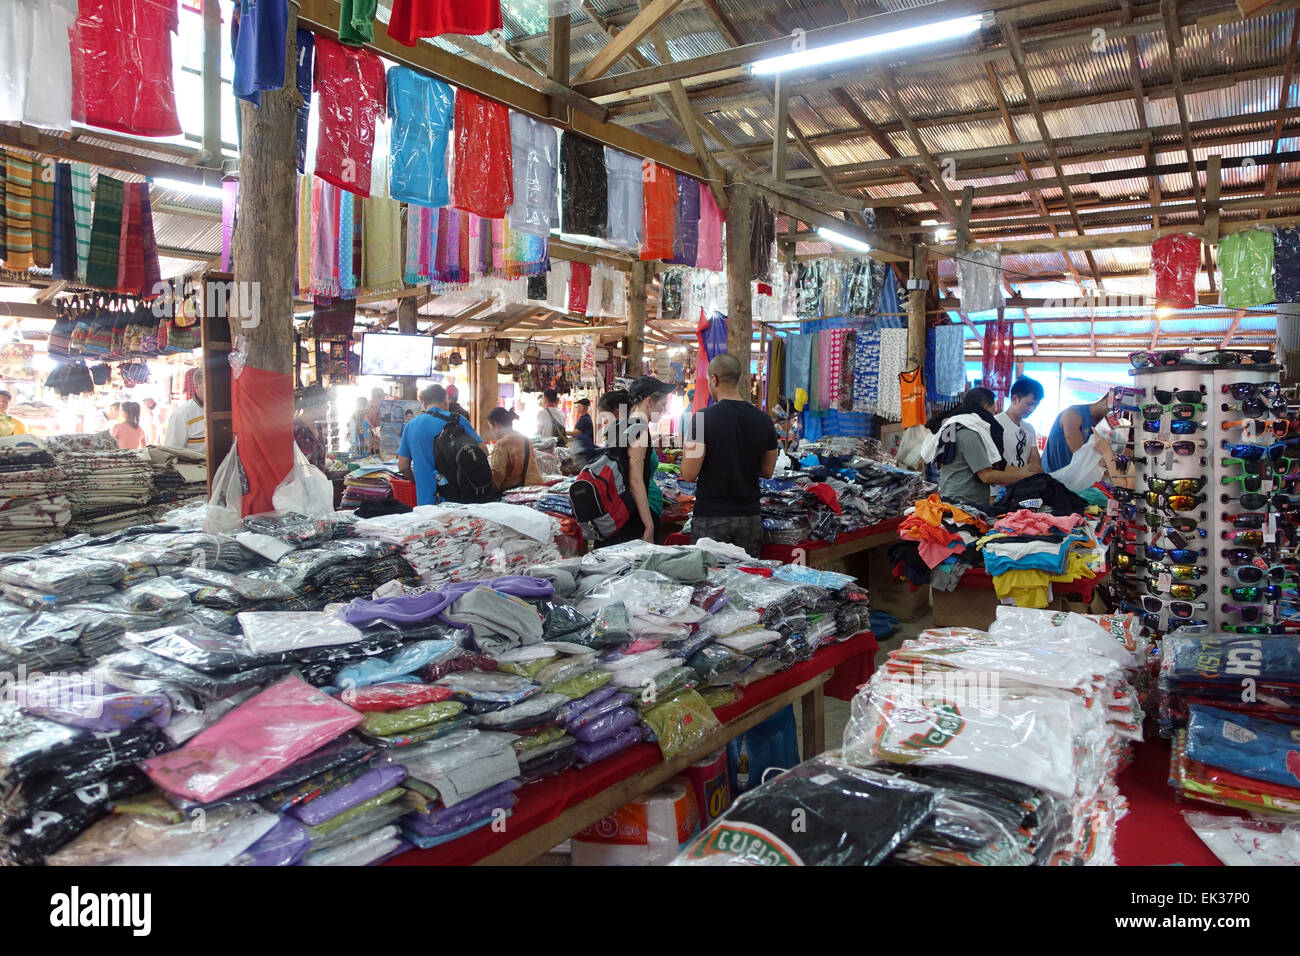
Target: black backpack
[{"x": 462, "y": 463}]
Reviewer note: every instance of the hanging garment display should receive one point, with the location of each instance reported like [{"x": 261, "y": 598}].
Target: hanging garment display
[
  {"x": 659, "y": 210},
  {"x": 912, "y": 388},
  {"x": 18, "y": 211},
  {"x": 36, "y": 63},
  {"x": 257, "y": 39},
  {"x": 352, "y": 87},
  {"x": 775, "y": 372},
  {"x": 999, "y": 355},
  {"x": 105, "y": 233},
  {"x": 1246, "y": 266},
  {"x": 623, "y": 173},
  {"x": 130, "y": 253},
  {"x": 686, "y": 235},
  {"x": 1286, "y": 264},
  {"x": 421, "y": 111},
  {"x": 893, "y": 361},
  {"x": 950, "y": 359},
  {"x": 866, "y": 371},
  {"x": 1175, "y": 261},
  {"x": 579, "y": 287},
  {"x": 122, "y": 66},
  {"x": 484, "y": 174},
  {"x": 557, "y": 285},
  {"x": 357, "y": 21},
  {"x": 709, "y": 249},
  {"x": 324, "y": 239},
  {"x": 306, "y": 74},
  {"x": 383, "y": 238},
  {"x": 81, "y": 212},
  {"x": 535, "y": 162},
  {"x": 762, "y": 237},
  {"x": 584, "y": 196},
  {"x": 64, "y": 265},
  {"x": 979, "y": 280},
  {"x": 413, "y": 19}
]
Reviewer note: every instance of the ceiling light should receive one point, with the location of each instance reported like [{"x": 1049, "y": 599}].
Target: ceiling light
[
  {"x": 848, "y": 242},
  {"x": 866, "y": 46}
]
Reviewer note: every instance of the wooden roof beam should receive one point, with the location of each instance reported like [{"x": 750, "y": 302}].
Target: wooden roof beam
[
  {"x": 1140, "y": 105},
  {"x": 1283, "y": 99},
  {"x": 651, "y": 15},
  {"x": 526, "y": 75},
  {"x": 946, "y": 202},
  {"x": 1174, "y": 40},
  {"x": 1117, "y": 240}
]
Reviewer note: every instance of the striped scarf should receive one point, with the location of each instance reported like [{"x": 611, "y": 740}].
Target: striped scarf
[
  {"x": 42, "y": 217},
  {"x": 105, "y": 233},
  {"x": 65, "y": 228},
  {"x": 18, "y": 212},
  {"x": 149, "y": 244},
  {"x": 324, "y": 239},
  {"x": 81, "y": 215},
  {"x": 383, "y": 238},
  {"x": 304, "y": 234},
  {"x": 130, "y": 250}
]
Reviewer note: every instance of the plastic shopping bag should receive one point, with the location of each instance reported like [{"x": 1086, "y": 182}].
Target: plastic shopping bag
[
  {"x": 909, "y": 448},
  {"x": 225, "y": 512},
  {"x": 305, "y": 490},
  {"x": 1084, "y": 470}
]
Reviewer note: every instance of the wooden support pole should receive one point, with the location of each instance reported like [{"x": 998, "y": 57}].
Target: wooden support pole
[
  {"x": 485, "y": 388},
  {"x": 740, "y": 320},
  {"x": 211, "y": 155},
  {"x": 636, "y": 307},
  {"x": 916, "y": 311},
  {"x": 559, "y": 60},
  {"x": 408, "y": 310},
  {"x": 780, "y": 121}
]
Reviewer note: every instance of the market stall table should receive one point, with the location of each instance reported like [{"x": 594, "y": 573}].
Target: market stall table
[
  {"x": 820, "y": 554},
  {"x": 1154, "y": 832},
  {"x": 551, "y": 811}
]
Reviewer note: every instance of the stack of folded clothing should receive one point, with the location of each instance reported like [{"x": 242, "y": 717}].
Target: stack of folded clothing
[
  {"x": 541, "y": 743},
  {"x": 552, "y": 500},
  {"x": 33, "y": 508},
  {"x": 367, "y": 484},
  {"x": 108, "y": 488},
  {"x": 1026, "y": 552},
  {"x": 449, "y": 543},
  {"x": 178, "y": 476},
  {"x": 938, "y": 543},
  {"x": 58, "y": 581},
  {"x": 1228, "y": 752}
]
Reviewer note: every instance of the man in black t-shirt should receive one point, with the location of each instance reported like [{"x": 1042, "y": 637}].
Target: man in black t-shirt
[{"x": 731, "y": 445}]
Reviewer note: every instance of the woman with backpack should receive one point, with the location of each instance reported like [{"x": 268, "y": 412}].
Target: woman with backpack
[{"x": 628, "y": 436}]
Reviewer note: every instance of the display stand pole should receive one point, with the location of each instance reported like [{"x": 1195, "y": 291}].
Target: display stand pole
[
  {"x": 916, "y": 312},
  {"x": 740, "y": 320},
  {"x": 636, "y": 306},
  {"x": 485, "y": 390},
  {"x": 408, "y": 309}
]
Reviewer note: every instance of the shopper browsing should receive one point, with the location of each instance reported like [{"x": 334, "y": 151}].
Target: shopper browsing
[
  {"x": 312, "y": 407},
  {"x": 550, "y": 420},
  {"x": 1071, "y": 431},
  {"x": 966, "y": 444},
  {"x": 630, "y": 439},
  {"x": 513, "y": 464},
  {"x": 186, "y": 427},
  {"x": 415, "y": 457},
  {"x": 584, "y": 431},
  {"x": 128, "y": 432},
  {"x": 1019, "y": 440},
  {"x": 8, "y": 424},
  {"x": 731, "y": 445}
]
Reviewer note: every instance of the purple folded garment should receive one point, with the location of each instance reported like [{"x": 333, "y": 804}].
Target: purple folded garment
[
  {"x": 597, "y": 696},
  {"x": 283, "y": 845},
  {"x": 600, "y": 710},
  {"x": 78, "y": 701},
  {"x": 590, "y": 753},
  {"x": 369, "y": 784},
  {"x": 604, "y": 727},
  {"x": 517, "y": 585},
  {"x": 446, "y": 819},
  {"x": 405, "y": 609}
]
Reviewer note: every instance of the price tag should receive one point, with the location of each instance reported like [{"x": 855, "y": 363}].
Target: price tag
[
  {"x": 1270, "y": 529},
  {"x": 1259, "y": 562},
  {"x": 1164, "y": 582}
]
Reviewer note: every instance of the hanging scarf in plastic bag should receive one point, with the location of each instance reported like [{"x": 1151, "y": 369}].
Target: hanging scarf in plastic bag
[
  {"x": 999, "y": 355},
  {"x": 1175, "y": 261}
]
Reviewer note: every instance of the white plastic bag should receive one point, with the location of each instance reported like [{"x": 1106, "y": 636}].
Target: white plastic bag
[
  {"x": 225, "y": 511},
  {"x": 909, "y": 448},
  {"x": 1084, "y": 470},
  {"x": 305, "y": 490}
]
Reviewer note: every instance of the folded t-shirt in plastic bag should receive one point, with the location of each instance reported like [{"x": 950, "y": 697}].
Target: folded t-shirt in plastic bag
[
  {"x": 271, "y": 631},
  {"x": 285, "y": 844},
  {"x": 391, "y": 722},
  {"x": 394, "y": 696},
  {"x": 370, "y": 784},
  {"x": 138, "y": 841}
]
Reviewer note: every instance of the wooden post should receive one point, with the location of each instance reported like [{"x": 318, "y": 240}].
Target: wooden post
[
  {"x": 779, "y": 123},
  {"x": 916, "y": 312},
  {"x": 740, "y": 320},
  {"x": 486, "y": 392},
  {"x": 559, "y": 61},
  {"x": 212, "y": 151},
  {"x": 408, "y": 310},
  {"x": 636, "y": 306}
]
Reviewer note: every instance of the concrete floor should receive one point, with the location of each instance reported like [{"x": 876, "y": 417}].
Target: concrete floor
[{"x": 837, "y": 711}]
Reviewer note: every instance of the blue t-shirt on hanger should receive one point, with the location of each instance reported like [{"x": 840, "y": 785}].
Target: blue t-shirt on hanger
[
  {"x": 258, "y": 41},
  {"x": 421, "y": 110}
]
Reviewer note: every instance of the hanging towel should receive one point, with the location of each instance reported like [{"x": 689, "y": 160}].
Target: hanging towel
[
  {"x": 347, "y": 279},
  {"x": 1286, "y": 264},
  {"x": 304, "y": 235},
  {"x": 105, "y": 233},
  {"x": 893, "y": 359},
  {"x": 65, "y": 227},
  {"x": 81, "y": 213},
  {"x": 866, "y": 372},
  {"x": 42, "y": 217},
  {"x": 18, "y": 212},
  {"x": 383, "y": 224}
]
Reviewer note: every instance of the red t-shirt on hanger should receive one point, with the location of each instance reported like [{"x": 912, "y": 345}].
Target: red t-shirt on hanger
[
  {"x": 352, "y": 92},
  {"x": 122, "y": 66},
  {"x": 412, "y": 19},
  {"x": 483, "y": 162}
]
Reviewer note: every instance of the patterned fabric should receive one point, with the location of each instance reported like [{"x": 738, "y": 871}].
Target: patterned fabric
[
  {"x": 1286, "y": 264},
  {"x": 999, "y": 355},
  {"x": 324, "y": 239},
  {"x": 64, "y": 262},
  {"x": 130, "y": 261},
  {"x": 833, "y": 369},
  {"x": 18, "y": 213},
  {"x": 347, "y": 278},
  {"x": 383, "y": 226},
  {"x": 149, "y": 245},
  {"x": 81, "y": 214},
  {"x": 42, "y": 217},
  {"x": 866, "y": 372},
  {"x": 848, "y": 347},
  {"x": 893, "y": 360},
  {"x": 105, "y": 233},
  {"x": 950, "y": 360},
  {"x": 304, "y": 234}
]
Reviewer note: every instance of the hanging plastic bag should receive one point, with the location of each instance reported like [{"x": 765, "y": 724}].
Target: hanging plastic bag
[
  {"x": 484, "y": 170},
  {"x": 625, "y": 201},
  {"x": 909, "y": 447},
  {"x": 659, "y": 210},
  {"x": 979, "y": 280},
  {"x": 225, "y": 511},
  {"x": 305, "y": 490},
  {"x": 535, "y": 175},
  {"x": 1246, "y": 262},
  {"x": 584, "y": 205},
  {"x": 1084, "y": 470},
  {"x": 1175, "y": 261}
]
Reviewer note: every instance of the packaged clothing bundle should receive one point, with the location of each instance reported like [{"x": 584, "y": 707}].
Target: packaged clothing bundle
[
  {"x": 33, "y": 507},
  {"x": 1246, "y": 265},
  {"x": 460, "y": 765},
  {"x": 1175, "y": 260}
]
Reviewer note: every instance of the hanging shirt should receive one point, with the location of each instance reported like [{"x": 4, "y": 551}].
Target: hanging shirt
[
  {"x": 1175, "y": 261},
  {"x": 351, "y": 87},
  {"x": 185, "y": 427},
  {"x": 258, "y": 35},
  {"x": 623, "y": 176},
  {"x": 708, "y": 253},
  {"x": 535, "y": 164},
  {"x": 1286, "y": 264},
  {"x": 122, "y": 66},
  {"x": 357, "y": 21},
  {"x": 686, "y": 236},
  {"x": 483, "y": 165},
  {"x": 1246, "y": 262},
  {"x": 584, "y": 198},
  {"x": 659, "y": 210},
  {"x": 421, "y": 109},
  {"x": 413, "y": 19},
  {"x": 36, "y": 71}
]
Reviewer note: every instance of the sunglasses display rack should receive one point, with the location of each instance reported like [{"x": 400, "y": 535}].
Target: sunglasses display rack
[{"x": 1217, "y": 535}]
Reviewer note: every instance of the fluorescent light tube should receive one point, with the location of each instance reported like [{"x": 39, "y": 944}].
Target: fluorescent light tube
[
  {"x": 848, "y": 242},
  {"x": 867, "y": 46}
]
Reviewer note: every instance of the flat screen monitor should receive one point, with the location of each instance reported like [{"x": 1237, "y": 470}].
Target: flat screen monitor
[{"x": 384, "y": 353}]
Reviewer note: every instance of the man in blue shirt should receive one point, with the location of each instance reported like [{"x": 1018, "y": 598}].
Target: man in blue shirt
[{"x": 415, "y": 456}]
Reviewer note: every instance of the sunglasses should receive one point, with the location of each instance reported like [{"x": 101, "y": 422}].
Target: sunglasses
[
  {"x": 1235, "y": 357},
  {"x": 1184, "y": 447},
  {"x": 1125, "y": 561},
  {"x": 1176, "y": 555},
  {"x": 1246, "y": 613},
  {"x": 1177, "y": 608},
  {"x": 1179, "y": 486},
  {"x": 1251, "y": 452},
  {"x": 1251, "y": 573},
  {"x": 1176, "y": 539},
  {"x": 1176, "y": 427},
  {"x": 1247, "y": 539},
  {"x": 1155, "y": 520},
  {"x": 1254, "y": 629},
  {"x": 1248, "y": 482},
  {"x": 1256, "y": 407},
  {"x": 1147, "y": 359},
  {"x": 1123, "y": 461},
  {"x": 1180, "y": 411},
  {"x": 1259, "y": 467},
  {"x": 1253, "y": 501},
  {"x": 1185, "y": 592},
  {"x": 1192, "y": 626},
  {"x": 1244, "y": 520},
  {"x": 1240, "y": 390},
  {"x": 1242, "y": 556},
  {"x": 1270, "y": 592},
  {"x": 1179, "y": 572}
]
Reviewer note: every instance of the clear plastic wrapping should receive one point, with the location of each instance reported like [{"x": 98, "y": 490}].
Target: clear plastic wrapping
[
  {"x": 1246, "y": 263},
  {"x": 585, "y": 192},
  {"x": 535, "y": 175},
  {"x": 139, "y": 841},
  {"x": 682, "y": 722},
  {"x": 484, "y": 183},
  {"x": 625, "y": 201},
  {"x": 421, "y": 110},
  {"x": 979, "y": 280},
  {"x": 1175, "y": 260},
  {"x": 270, "y": 631},
  {"x": 61, "y": 576}
]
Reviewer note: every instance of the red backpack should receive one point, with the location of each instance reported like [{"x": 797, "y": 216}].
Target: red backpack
[{"x": 598, "y": 498}]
